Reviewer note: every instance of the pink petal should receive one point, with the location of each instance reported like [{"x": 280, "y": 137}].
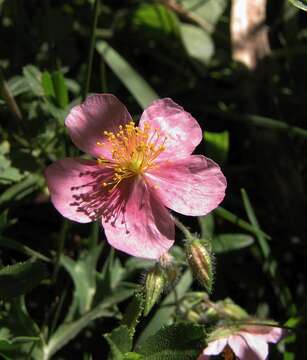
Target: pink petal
[
  {"x": 191, "y": 186},
  {"x": 75, "y": 188},
  {"x": 215, "y": 347},
  {"x": 257, "y": 345},
  {"x": 181, "y": 130},
  {"x": 87, "y": 122},
  {"x": 241, "y": 349},
  {"x": 143, "y": 227},
  {"x": 271, "y": 334},
  {"x": 203, "y": 357},
  {"x": 276, "y": 334}
]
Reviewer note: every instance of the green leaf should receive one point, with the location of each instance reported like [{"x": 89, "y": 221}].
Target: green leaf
[
  {"x": 181, "y": 341},
  {"x": 15, "y": 245},
  {"x": 18, "y": 331},
  {"x": 229, "y": 242},
  {"x": 110, "y": 277},
  {"x": 301, "y": 4},
  {"x": 206, "y": 224},
  {"x": 270, "y": 265},
  {"x": 68, "y": 330},
  {"x": 8, "y": 173},
  {"x": 132, "y": 356},
  {"x": 154, "y": 18},
  {"x": 206, "y": 13},
  {"x": 21, "y": 278},
  {"x": 60, "y": 89},
  {"x": 120, "y": 342},
  {"x": 197, "y": 42},
  {"x": 265, "y": 248},
  {"x": 47, "y": 84},
  {"x": 167, "y": 307},
  {"x": 262, "y": 121},
  {"x": 83, "y": 273},
  {"x": 34, "y": 79},
  {"x": 234, "y": 219},
  {"x": 217, "y": 145},
  {"x": 138, "y": 87},
  {"x": 134, "y": 312},
  {"x": 18, "y": 85},
  {"x": 18, "y": 191}
]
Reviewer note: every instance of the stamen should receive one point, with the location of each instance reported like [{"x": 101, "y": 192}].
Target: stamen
[{"x": 133, "y": 151}]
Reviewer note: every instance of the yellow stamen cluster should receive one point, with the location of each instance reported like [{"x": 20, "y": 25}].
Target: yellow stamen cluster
[{"x": 133, "y": 151}]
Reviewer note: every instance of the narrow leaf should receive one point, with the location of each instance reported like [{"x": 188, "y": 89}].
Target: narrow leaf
[
  {"x": 137, "y": 86},
  {"x": 120, "y": 342},
  {"x": 47, "y": 84},
  {"x": 134, "y": 312},
  {"x": 167, "y": 307},
  {"x": 229, "y": 242},
  {"x": 181, "y": 341},
  {"x": 301, "y": 4},
  {"x": 60, "y": 89},
  {"x": 21, "y": 278},
  {"x": 15, "y": 245},
  {"x": 229, "y": 216}
]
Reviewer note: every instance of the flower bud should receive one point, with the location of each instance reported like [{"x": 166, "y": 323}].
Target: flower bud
[
  {"x": 154, "y": 285},
  {"x": 233, "y": 310},
  {"x": 200, "y": 259}
]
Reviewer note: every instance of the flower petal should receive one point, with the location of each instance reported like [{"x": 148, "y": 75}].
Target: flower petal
[
  {"x": 257, "y": 345},
  {"x": 276, "y": 334},
  {"x": 241, "y": 349},
  {"x": 191, "y": 186},
  {"x": 215, "y": 347},
  {"x": 181, "y": 130},
  {"x": 75, "y": 188},
  {"x": 203, "y": 357},
  {"x": 87, "y": 122},
  {"x": 271, "y": 334},
  {"x": 143, "y": 227}
]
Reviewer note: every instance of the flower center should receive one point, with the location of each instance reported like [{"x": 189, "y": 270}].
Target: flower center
[
  {"x": 228, "y": 353},
  {"x": 133, "y": 151}
]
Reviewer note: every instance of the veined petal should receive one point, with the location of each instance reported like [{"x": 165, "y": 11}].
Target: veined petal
[
  {"x": 87, "y": 122},
  {"x": 180, "y": 129},
  {"x": 143, "y": 227},
  {"x": 215, "y": 347},
  {"x": 271, "y": 334},
  {"x": 240, "y": 347},
  {"x": 75, "y": 188},
  {"x": 257, "y": 345},
  {"x": 191, "y": 186}
]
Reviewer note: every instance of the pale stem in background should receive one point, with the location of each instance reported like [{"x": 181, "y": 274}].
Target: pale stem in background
[{"x": 249, "y": 34}]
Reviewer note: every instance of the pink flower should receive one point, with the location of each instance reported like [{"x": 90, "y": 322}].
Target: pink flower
[
  {"x": 248, "y": 342},
  {"x": 139, "y": 172}
]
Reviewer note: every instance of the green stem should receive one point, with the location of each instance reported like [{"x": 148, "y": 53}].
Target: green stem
[
  {"x": 91, "y": 50},
  {"x": 183, "y": 228},
  {"x": 61, "y": 243}
]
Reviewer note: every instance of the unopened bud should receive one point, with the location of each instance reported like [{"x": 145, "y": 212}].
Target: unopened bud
[
  {"x": 233, "y": 310},
  {"x": 200, "y": 260},
  {"x": 169, "y": 268},
  {"x": 154, "y": 285}
]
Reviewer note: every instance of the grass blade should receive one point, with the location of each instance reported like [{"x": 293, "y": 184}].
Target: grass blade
[{"x": 138, "y": 87}]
